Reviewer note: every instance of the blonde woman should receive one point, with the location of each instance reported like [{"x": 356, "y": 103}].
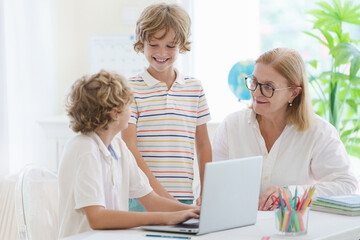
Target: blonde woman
[{"x": 299, "y": 147}]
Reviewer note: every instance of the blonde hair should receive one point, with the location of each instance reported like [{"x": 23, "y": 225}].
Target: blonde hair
[
  {"x": 91, "y": 100},
  {"x": 163, "y": 16},
  {"x": 288, "y": 63}
]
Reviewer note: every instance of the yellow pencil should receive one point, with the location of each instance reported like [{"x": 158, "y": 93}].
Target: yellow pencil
[{"x": 311, "y": 192}]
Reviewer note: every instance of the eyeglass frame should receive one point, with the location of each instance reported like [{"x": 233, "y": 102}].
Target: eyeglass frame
[{"x": 262, "y": 84}]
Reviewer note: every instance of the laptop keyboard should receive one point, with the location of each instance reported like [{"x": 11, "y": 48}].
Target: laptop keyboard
[{"x": 192, "y": 223}]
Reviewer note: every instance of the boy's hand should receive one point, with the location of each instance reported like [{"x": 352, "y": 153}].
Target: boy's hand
[
  {"x": 198, "y": 201},
  {"x": 181, "y": 216}
]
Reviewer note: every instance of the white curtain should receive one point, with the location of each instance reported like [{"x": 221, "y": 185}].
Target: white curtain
[
  {"x": 28, "y": 81},
  {"x": 4, "y": 169}
]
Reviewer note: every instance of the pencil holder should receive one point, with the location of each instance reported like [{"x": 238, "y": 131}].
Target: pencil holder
[{"x": 291, "y": 223}]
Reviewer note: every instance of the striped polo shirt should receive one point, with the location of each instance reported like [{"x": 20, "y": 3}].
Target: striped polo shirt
[{"x": 166, "y": 123}]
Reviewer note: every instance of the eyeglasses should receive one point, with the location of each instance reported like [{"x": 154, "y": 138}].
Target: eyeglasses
[{"x": 265, "y": 89}]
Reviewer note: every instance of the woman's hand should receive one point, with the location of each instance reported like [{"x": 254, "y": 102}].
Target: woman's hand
[
  {"x": 265, "y": 201},
  {"x": 181, "y": 216}
]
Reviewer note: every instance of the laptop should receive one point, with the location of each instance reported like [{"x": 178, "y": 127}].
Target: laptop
[{"x": 229, "y": 200}]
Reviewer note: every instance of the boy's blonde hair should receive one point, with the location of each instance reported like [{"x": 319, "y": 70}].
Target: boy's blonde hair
[
  {"x": 163, "y": 16},
  {"x": 289, "y": 64},
  {"x": 91, "y": 100}
]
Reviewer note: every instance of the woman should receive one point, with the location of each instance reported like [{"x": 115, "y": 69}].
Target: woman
[{"x": 299, "y": 147}]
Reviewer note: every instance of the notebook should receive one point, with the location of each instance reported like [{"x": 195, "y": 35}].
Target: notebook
[
  {"x": 340, "y": 204},
  {"x": 349, "y": 200},
  {"x": 230, "y": 197}
]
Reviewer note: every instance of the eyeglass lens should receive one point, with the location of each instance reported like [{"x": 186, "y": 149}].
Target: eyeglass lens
[{"x": 265, "y": 89}]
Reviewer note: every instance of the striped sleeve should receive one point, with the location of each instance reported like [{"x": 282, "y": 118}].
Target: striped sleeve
[
  {"x": 134, "y": 109},
  {"x": 203, "y": 114}
]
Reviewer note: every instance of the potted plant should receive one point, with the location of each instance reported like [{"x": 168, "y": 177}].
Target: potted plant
[{"x": 337, "y": 85}]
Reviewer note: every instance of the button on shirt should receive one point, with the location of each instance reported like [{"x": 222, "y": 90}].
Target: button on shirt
[
  {"x": 314, "y": 156},
  {"x": 90, "y": 176}
]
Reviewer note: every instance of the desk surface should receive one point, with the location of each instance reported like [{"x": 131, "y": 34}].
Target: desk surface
[{"x": 321, "y": 226}]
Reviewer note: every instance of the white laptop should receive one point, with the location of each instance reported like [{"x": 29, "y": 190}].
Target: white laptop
[{"x": 230, "y": 197}]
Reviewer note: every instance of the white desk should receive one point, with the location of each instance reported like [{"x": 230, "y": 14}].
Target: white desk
[{"x": 321, "y": 226}]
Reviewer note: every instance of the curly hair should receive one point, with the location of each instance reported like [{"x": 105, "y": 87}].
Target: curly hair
[
  {"x": 92, "y": 98},
  {"x": 163, "y": 16}
]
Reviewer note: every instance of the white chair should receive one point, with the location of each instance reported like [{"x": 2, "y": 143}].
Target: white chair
[
  {"x": 8, "y": 227},
  {"x": 36, "y": 204}
]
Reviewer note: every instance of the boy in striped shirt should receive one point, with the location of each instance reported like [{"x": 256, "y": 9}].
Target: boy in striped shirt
[{"x": 170, "y": 112}]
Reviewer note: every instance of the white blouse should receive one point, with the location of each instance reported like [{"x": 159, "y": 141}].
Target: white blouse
[{"x": 312, "y": 157}]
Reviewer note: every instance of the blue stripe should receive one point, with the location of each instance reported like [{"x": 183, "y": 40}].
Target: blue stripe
[
  {"x": 203, "y": 115},
  {"x": 133, "y": 80},
  {"x": 142, "y": 88},
  {"x": 168, "y": 157},
  {"x": 151, "y": 96},
  {"x": 191, "y": 197},
  {"x": 181, "y": 136},
  {"x": 183, "y": 95},
  {"x": 194, "y": 86},
  {"x": 163, "y": 114}
]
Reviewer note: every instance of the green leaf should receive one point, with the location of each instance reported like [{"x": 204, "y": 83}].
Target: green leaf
[
  {"x": 345, "y": 38},
  {"x": 346, "y": 133},
  {"x": 355, "y": 66},
  {"x": 342, "y": 53},
  {"x": 350, "y": 14},
  {"x": 329, "y": 38},
  {"x": 352, "y": 104},
  {"x": 324, "y": 19},
  {"x": 326, "y": 6},
  {"x": 314, "y": 63},
  {"x": 355, "y": 122},
  {"x": 336, "y": 75},
  {"x": 355, "y": 82},
  {"x": 314, "y": 36},
  {"x": 325, "y": 75},
  {"x": 353, "y": 150},
  {"x": 354, "y": 140},
  {"x": 319, "y": 107},
  {"x": 355, "y": 93}
]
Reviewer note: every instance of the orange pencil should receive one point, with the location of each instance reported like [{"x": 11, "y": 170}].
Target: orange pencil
[{"x": 301, "y": 222}]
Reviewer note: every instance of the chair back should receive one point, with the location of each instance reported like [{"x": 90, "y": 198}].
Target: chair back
[{"x": 36, "y": 204}]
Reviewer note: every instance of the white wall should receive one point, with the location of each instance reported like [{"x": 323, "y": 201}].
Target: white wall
[{"x": 76, "y": 20}]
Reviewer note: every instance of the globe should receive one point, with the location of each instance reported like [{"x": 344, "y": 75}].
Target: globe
[{"x": 236, "y": 79}]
